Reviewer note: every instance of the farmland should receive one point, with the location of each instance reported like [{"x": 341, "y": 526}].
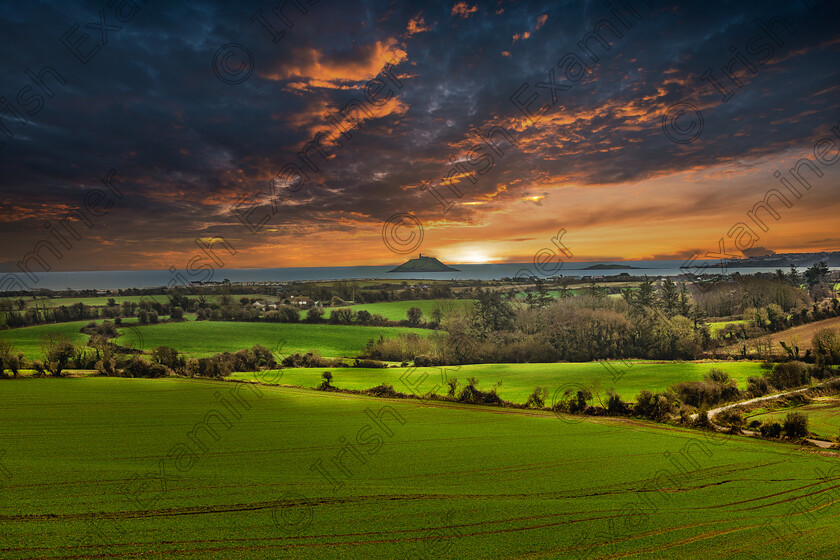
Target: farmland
[
  {"x": 396, "y": 310},
  {"x": 801, "y": 335},
  {"x": 480, "y": 483},
  {"x": 823, "y": 416},
  {"x": 519, "y": 380},
  {"x": 199, "y": 339},
  {"x": 28, "y": 339}
]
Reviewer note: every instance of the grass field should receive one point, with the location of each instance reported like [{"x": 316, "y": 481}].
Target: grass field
[
  {"x": 28, "y": 339},
  {"x": 204, "y": 338},
  {"x": 716, "y": 326},
  {"x": 396, "y": 310},
  {"x": 106, "y": 468},
  {"x": 823, "y": 416},
  {"x": 518, "y": 380}
]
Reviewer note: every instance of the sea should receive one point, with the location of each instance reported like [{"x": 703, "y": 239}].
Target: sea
[{"x": 121, "y": 279}]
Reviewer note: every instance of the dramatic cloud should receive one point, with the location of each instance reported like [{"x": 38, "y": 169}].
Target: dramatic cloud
[{"x": 646, "y": 130}]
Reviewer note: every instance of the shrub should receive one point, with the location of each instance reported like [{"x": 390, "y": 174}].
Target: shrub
[
  {"x": 452, "y": 383},
  {"x": 715, "y": 388},
  {"x": 287, "y": 314},
  {"x": 310, "y": 360},
  {"x": 826, "y": 347},
  {"x": 368, "y": 364},
  {"x": 730, "y": 418},
  {"x": 789, "y": 374},
  {"x": 422, "y": 361},
  {"x": 537, "y": 398},
  {"x": 326, "y": 384},
  {"x": 138, "y": 367},
  {"x": 702, "y": 420},
  {"x": 470, "y": 393},
  {"x": 773, "y": 430},
  {"x": 39, "y": 367},
  {"x": 414, "y": 314},
  {"x": 168, "y": 357},
  {"x": 342, "y": 316},
  {"x": 652, "y": 406},
  {"x": 615, "y": 406},
  {"x": 314, "y": 314},
  {"x": 383, "y": 390},
  {"x": 58, "y": 350},
  {"x": 795, "y": 425},
  {"x": 757, "y": 386},
  {"x": 9, "y": 358}
]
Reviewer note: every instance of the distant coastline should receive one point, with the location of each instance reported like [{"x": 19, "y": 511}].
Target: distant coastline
[
  {"x": 128, "y": 279},
  {"x": 613, "y": 267}
]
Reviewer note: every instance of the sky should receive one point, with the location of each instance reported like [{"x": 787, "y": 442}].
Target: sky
[{"x": 348, "y": 133}]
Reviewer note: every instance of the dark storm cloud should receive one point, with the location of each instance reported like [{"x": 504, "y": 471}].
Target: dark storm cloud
[{"x": 187, "y": 145}]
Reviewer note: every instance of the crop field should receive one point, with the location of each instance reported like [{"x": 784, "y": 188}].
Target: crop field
[
  {"x": 396, "y": 310},
  {"x": 519, "y": 380},
  {"x": 28, "y": 339},
  {"x": 128, "y": 468},
  {"x": 800, "y": 335},
  {"x": 204, "y": 338},
  {"x": 823, "y": 416}
]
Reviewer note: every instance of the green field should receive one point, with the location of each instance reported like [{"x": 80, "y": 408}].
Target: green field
[
  {"x": 204, "y": 338},
  {"x": 716, "y": 326},
  {"x": 106, "y": 468},
  {"x": 396, "y": 310},
  {"x": 518, "y": 380},
  {"x": 823, "y": 417},
  {"x": 28, "y": 339}
]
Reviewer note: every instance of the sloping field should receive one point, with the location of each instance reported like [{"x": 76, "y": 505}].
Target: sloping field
[
  {"x": 519, "y": 380},
  {"x": 823, "y": 416},
  {"x": 122, "y": 468},
  {"x": 28, "y": 339},
  {"x": 204, "y": 338},
  {"x": 802, "y": 334}
]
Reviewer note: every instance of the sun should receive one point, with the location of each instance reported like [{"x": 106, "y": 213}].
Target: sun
[{"x": 472, "y": 257}]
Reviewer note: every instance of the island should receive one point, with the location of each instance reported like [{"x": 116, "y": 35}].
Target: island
[
  {"x": 612, "y": 267},
  {"x": 424, "y": 264}
]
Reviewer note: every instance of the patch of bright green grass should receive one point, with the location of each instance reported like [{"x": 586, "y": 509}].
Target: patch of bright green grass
[
  {"x": 396, "y": 310},
  {"x": 716, "y": 326},
  {"x": 122, "y": 468},
  {"x": 204, "y": 338},
  {"x": 519, "y": 380},
  {"x": 28, "y": 339}
]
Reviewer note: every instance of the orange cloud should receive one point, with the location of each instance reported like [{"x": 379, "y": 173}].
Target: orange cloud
[
  {"x": 463, "y": 9},
  {"x": 417, "y": 25},
  {"x": 316, "y": 69}
]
